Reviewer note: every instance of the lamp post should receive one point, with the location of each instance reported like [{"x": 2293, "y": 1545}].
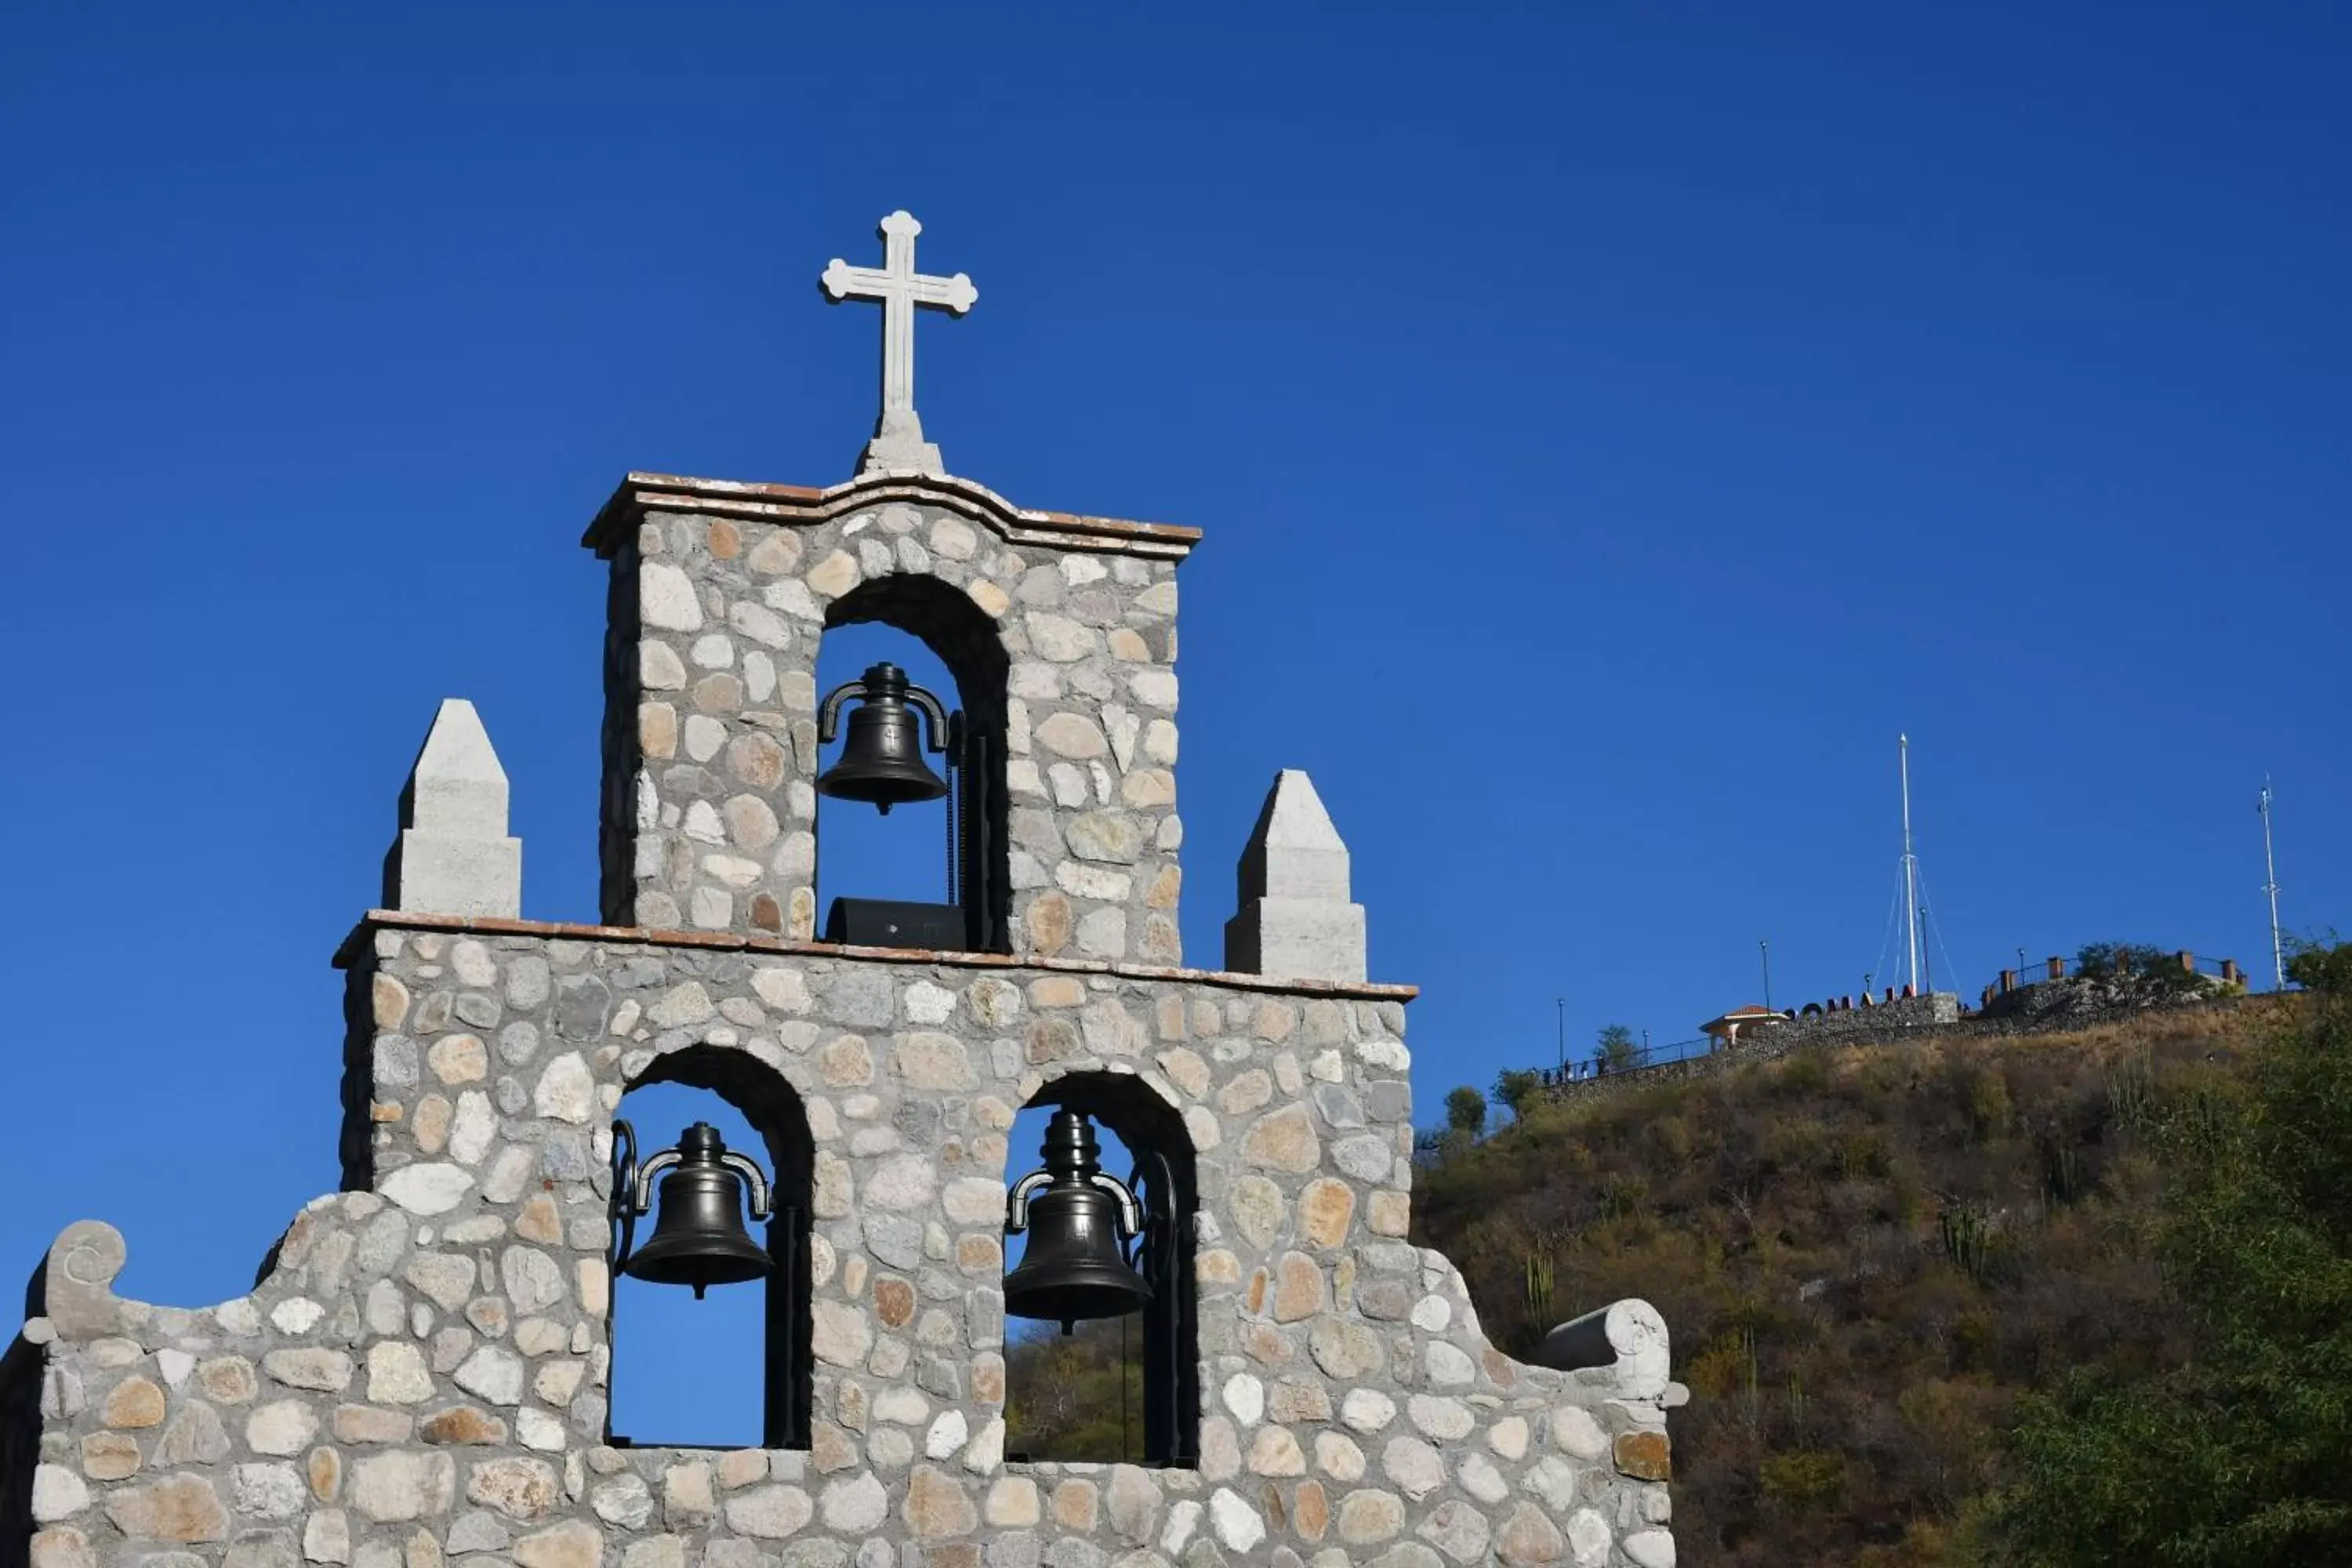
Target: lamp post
[{"x": 1765, "y": 948}]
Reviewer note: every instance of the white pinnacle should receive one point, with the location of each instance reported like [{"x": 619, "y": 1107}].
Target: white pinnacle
[
  {"x": 1295, "y": 918},
  {"x": 898, "y": 440},
  {"x": 453, "y": 856}
]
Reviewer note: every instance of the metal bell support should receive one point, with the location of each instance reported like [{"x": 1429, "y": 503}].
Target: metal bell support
[
  {"x": 882, "y": 762},
  {"x": 699, "y": 1239},
  {"x": 1079, "y": 1219}
]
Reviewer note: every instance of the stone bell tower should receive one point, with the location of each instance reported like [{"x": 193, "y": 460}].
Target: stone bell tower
[{"x": 420, "y": 1376}]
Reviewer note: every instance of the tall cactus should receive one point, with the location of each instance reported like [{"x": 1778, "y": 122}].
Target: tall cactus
[
  {"x": 1967, "y": 1240},
  {"x": 1539, "y": 1289}
]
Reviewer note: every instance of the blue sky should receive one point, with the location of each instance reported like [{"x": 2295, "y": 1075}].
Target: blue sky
[{"x": 1612, "y": 424}]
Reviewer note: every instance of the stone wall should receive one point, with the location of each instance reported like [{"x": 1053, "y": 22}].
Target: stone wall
[
  {"x": 420, "y": 1373},
  {"x": 1772, "y": 1043},
  {"x": 1062, "y": 631},
  {"x": 1842, "y": 1023}
]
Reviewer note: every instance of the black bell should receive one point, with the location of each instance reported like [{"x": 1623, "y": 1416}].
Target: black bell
[
  {"x": 1077, "y": 1217},
  {"x": 699, "y": 1239},
  {"x": 882, "y": 762}
]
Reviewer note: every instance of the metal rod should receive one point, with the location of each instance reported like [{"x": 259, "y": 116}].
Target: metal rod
[
  {"x": 1561, "y": 1028},
  {"x": 2269, "y": 887},
  {"x": 1910, "y": 867},
  {"x": 1765, "y": 947}
]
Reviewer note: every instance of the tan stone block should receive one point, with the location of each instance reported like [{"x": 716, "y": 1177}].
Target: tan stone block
[
  {"x": 1165, "y": 888},
  {"x": 1298, "y": 1287},
  {"x": 839, "y": 572},
  {"x": 462, "y": 1424},
  {"x": 742, "y": 1467},
  {"x": 938, "y": 1506},
  {"x": 1327, "y": 1207},
  {"x": 388, "y": 998},
  {"x": 894, "y": 1301},
  {"x": 1274, "y": 1022},
  {"x": 1310, "y": 1510},
  {"x": 1292, "y": 1403},
  {"x": 62, "y": 1546},
  {"x": 1076, "y": 1505},
  {"x": 366, "y": 1424},
  {"x": 1529, "y": 1539},
  {"x": 177, "y": 1508},
  {"x": 988, "y": 1378},
  {"x": 430, "y": 1125},
  {"x": 1274, "y": 1452},
  {"x": 540, "y": 1220},
  {"x": 459, "y": 1058},
  {"x": 1246, "y": 1092},
  {"x": 1389, "y": 1214},
  {"x": 574, "y": 1543},
  {"x": 325, "y": 1471},
  {"x": 1048, "y": 921},
  {"x": 108, "y": 1455},
  {"x": 756, "y": 760},
  {"x": 1283, "y": 1140},
  {"x": 1644, "y": 1456},
  {"x": 1369, "y": 1517},
  {"x": 227, "y": 1379},
  {"x": 778, "y": 553},
  {"x": 1056, "y": 991},
  {"x": 134, "y": 1401},
  {"x": 657, "y": 729},
  {"x": 1013, "y": 1503},
  {"x": 1049, "y": 1039}
]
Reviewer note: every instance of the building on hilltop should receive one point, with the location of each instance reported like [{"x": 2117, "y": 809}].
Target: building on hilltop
[{"x": 421, "y": 1372}]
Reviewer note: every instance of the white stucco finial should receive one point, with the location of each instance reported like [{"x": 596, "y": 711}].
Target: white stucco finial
[
  {"x": 1294, "y": 917},
  {"x": 898, "y": 440},
  {"x": 453, "y": 856}
]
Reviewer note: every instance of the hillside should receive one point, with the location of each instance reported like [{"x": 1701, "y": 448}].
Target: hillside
[{"x": 1867, "y": 1255}]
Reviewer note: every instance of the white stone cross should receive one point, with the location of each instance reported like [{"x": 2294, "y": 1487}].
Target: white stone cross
[{"x": 898, "y": 435}]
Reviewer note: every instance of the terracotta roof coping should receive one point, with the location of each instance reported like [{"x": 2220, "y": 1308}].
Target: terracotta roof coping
[
  {"x": 640, "y": 493},
  {"x": 743, "y": 941}
]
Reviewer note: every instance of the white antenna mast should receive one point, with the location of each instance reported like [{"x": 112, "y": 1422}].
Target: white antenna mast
[
  {"x": 2270, "y": 886},
  {"x": 1910, "y": 871}
]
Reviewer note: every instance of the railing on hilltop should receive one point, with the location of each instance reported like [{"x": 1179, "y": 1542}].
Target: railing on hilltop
[
  {"x": 2225, "y": 969},
  {"x": 1637, "y": 1060}
]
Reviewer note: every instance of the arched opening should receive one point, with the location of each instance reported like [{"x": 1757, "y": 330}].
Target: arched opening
[
  {"x": 678, "y": 1364},
  {"x": 950, "y": 647},
  {"x": 1125, "y": 1388}
]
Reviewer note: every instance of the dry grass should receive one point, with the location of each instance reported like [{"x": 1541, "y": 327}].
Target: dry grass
[{"x": 1864, "y": 1254}]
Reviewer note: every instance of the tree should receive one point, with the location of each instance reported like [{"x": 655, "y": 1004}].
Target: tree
[
  {"x": 1516, "y": 1087},
  {"x": 2318, "y": 966},
  {"x": 1617, "y": 1049},
  {"x": 1466, "y": 1111},
  {"x": 2235, "y": 1458}
]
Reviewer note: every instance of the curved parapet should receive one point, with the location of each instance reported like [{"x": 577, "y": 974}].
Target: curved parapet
[
  {"x": 422, "y": 1370},
  {"x": 1627, "y": 1338}
]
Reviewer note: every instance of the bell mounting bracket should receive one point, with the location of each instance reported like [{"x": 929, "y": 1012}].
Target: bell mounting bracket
[
  {"x": 936, "y": 734},
  {"x": 1131, "y": 1212}
]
